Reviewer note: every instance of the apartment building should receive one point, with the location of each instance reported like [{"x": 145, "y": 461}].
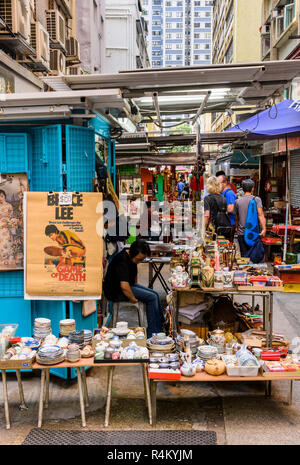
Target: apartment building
[
  {"x": 179, "y": 32},
  {"x": 125, "y": 36},
  {"x": 36, "y": 39},
  {"x": 235, "y": 30},
  {"x": 88, "y": 28},
  {"x": 279, "y": 30},
  {"x": 236, "y": 39}
]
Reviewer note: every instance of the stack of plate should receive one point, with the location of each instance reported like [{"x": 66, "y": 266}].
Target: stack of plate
[
  {"x": 50, "y": 355},
  {"x": 42, "y": 328},
  {"x": 73, "y": 353},
  {"x": 77, "y": 337},
  {"x": 66, "y": 327},
  {"x": 207, "y": 352},
  {"x": 87, "y": 336},
  {"x": 165, "y": 344}
]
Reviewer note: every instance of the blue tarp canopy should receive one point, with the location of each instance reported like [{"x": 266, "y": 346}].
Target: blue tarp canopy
[{"x": 282, "y": 118}]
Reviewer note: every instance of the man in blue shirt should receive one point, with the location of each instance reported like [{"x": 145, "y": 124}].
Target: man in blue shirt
[
  {"x": 180, "y": 187},
  {"x": 230, "y": 197}
]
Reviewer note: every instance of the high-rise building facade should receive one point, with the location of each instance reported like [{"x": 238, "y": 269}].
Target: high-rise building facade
[
  {"x": 235, "y": 30},
  {"x": 236, "y": 39},
  {"x": 125, "y": 36},
  {"x": 179, "y": 32}
]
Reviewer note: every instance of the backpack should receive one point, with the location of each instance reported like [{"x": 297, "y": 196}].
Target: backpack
[
  {"x": 251, "y": 226},
  {"x": 257, "y": 252},
  {"x": 220, "y": 219}
]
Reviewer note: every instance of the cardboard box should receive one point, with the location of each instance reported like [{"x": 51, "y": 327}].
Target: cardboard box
[{"x": 16, "y": 364}]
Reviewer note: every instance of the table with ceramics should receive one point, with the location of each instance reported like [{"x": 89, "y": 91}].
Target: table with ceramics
[
  {"x": 80, "y": 366},
  {"x": 204, "y": 377}
]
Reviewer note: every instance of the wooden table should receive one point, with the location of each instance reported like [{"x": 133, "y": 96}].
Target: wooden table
[
  {"x": 82, "y": 387},
  {"x": 204, "y": 377}
]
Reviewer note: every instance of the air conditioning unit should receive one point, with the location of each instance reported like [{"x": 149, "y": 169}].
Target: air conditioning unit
[
  {"x": 72, "y": 48},
  {"x": 57, "y": 63},
  {"x": 56, "y": 27},
  {"x": 265, "y": 29},
  {"x": 40, "y": 42},
  {"x": 74, "y": 70},
  {"x": 16, "y": 14}
]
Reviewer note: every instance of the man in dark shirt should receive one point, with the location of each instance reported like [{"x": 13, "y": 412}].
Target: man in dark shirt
[{"x": 120, "y": 284}]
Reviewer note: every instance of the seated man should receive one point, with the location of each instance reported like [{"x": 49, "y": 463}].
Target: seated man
[{"x": 120, "y": 284}]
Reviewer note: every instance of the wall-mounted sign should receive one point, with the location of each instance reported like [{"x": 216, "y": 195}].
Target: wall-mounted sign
[{"x": 7, "y": 81}]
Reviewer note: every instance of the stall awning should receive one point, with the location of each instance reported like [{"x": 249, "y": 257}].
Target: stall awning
[
  {"x": 179, "y": 158},
  {"x": 59, "y": 105},
  {"x": 182, "y": 91},
  {"x": 282, "y": 118},
  {"x": 239, "y": 159}
]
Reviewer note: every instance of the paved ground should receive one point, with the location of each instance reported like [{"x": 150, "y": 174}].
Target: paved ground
[{"x": 238, "y": 412}]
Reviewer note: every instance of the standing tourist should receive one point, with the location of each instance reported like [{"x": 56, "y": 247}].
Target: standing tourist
[
  {"x": 241, "y": 211},
  {"x": 230, "y": 197},
  {"x": 215, "y": 208}
]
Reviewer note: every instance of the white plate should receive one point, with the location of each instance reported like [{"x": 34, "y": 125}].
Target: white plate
[{"x": 120, "y": 332}]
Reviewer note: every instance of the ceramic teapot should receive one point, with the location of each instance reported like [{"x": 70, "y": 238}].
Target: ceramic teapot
[
  {"x": 187, "y": 369},
  {"x": 217, "y": 337}
]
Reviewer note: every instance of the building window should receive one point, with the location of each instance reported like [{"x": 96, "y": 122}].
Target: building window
[
  {"x": 169, "y": 57},
  {"x": 178, "y": 25},
  {"x": 179, "y": 14},
  {"x": 156, "y": 33},
  {"x": 229, "y": 53},
  {"x": 179, "y": 46},
  {"x": 169, "y": 14},
  {"x": 156, "y": 13},
  {"x": 207, "y": 35},
  {"x": 207, "y": 14},
  {"x": 197, "y": 3},
  {"x": 178, "y": 57},
  {"x": 168, "y": 46},
  {"x": 197, "y": 25},
  {"x": 179, "y": 36},
  {"x": 207, "y": 25}
]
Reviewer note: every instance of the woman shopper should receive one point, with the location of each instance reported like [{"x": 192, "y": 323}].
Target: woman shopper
[{"x": 215, "y": 208}]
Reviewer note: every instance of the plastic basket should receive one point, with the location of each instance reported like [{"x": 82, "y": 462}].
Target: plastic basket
[{"x": 240, "y": 370}]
